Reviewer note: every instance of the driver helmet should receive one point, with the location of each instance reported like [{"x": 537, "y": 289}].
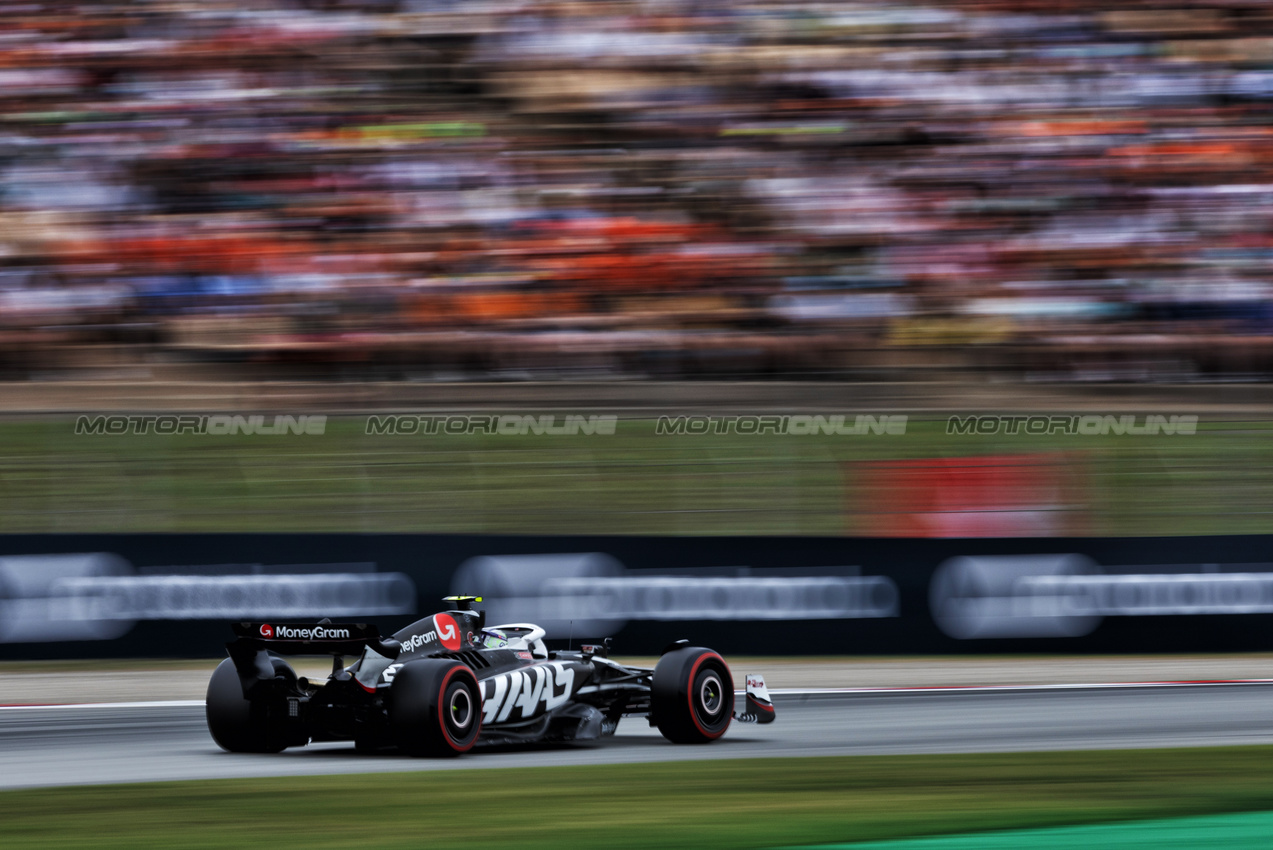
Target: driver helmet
[{"x": 492, "y": 639}]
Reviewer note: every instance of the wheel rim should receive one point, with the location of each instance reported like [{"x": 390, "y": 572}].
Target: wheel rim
[
  {"x": 460, "y": 709},
  {"x": 711, "y": 696}
]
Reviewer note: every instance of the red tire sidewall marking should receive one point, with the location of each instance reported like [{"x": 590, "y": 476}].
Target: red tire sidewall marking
[
  {"x": 446, "y": 733},
  {"x": 689, "y": 688}
]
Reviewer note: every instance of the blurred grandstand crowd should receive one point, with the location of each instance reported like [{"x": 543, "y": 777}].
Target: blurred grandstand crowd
[{"x": 1073, "y": 189}]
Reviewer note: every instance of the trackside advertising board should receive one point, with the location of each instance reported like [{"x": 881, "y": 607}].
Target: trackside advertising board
[{"x": 137, "y": 595}]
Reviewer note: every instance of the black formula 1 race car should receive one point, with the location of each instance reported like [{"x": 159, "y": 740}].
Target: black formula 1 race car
[{"x": 447, "y": 683}]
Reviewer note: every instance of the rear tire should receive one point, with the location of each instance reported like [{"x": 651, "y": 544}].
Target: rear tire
[
  {"x": 435, "y": 708},
  {"x": 238, "y": 724},
  {"x": 692, "y": 699}
]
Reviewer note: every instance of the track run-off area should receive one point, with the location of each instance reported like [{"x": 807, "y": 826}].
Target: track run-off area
[{"x": 42, "y": 746}]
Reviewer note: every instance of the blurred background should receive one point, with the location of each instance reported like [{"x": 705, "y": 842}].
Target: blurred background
[
  {"x": 524, "y": 189},
  {"x": 638, "y": 208}
]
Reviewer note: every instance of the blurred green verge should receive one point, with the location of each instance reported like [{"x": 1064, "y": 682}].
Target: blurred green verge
[
  {"x": 1219, "y": 480},
  {"x": 1245, "y": 831},
  {"x": 728, "y": 803}
]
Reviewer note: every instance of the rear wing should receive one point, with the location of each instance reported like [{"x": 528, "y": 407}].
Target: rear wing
[
  {"x": 255, "y": 642},
  {"x": 306, "y": 638}
]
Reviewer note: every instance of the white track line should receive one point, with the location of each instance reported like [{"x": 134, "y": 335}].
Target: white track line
[
  {"x": 963, "y": 689},
  {"x": 782, "y": 692},
  {"x": 172, "y": 703}
]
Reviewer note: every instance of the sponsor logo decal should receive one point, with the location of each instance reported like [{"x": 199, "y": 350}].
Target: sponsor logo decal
[
  {"x": 445, "y": 630},
  {"x": 448, "y": 631},
  {"x": 523, "y": 694},
  {"x": 757, "y": 691},
  {"x": 414, "y": 642},
  {"x": 308, "y": 633},
  {"x": 525, "y": 656},
  {"x": 267, "y": 630}
]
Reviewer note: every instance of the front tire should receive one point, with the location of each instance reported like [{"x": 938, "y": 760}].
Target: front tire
[
  {"x": 692, "y": 698},
  {"x": 238, "y": 724},
  {"x": 435, "y": 708}
]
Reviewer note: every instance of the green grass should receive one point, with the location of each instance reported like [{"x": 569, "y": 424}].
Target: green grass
[
  {"x": 732, "y": 804},
  {"x": 1233, "y": 831},
  {"x": 1219, "y": 480}
]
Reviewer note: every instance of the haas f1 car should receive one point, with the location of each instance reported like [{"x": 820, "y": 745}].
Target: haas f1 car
[{"x": 447, "y": 683}]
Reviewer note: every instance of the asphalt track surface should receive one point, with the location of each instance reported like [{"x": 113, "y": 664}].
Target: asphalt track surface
[{"x": 141, "y": 742}]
